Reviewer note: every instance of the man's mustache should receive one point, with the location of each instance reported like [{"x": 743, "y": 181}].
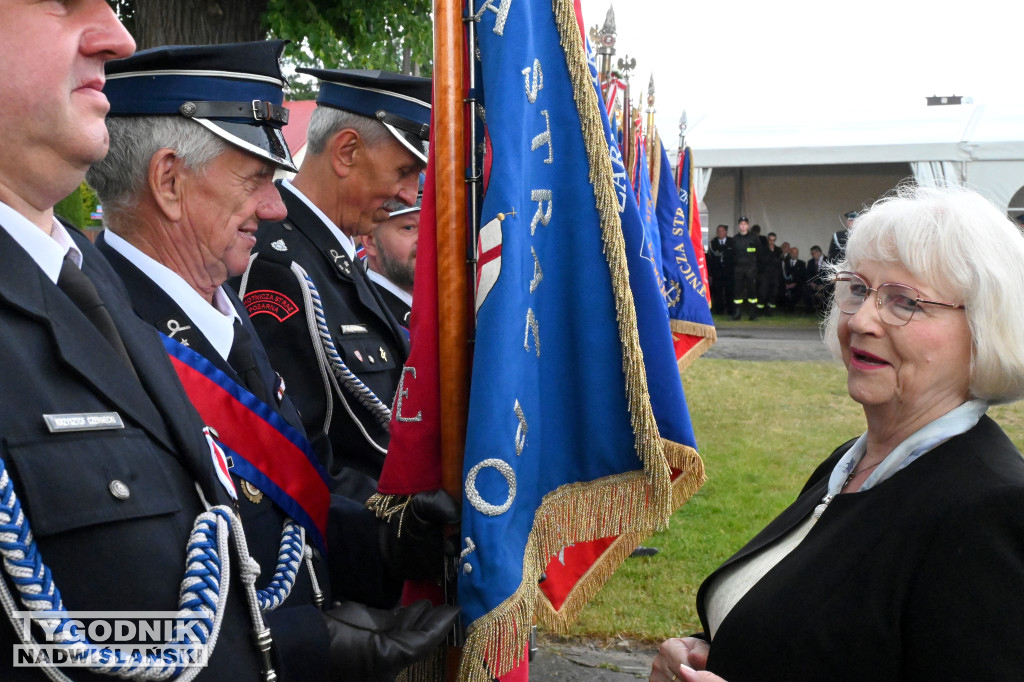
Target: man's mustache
[{"x": 392, "y": 205}]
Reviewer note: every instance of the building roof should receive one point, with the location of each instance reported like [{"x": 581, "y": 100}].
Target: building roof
[{"x": 966, "y": 132}]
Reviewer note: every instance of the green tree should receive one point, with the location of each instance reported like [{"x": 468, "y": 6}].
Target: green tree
[
  {"x": 395, "y": 35},
  {"x": 77, "y": 207}
]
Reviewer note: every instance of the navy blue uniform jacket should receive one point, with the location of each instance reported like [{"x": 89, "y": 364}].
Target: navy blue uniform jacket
[
  {"x": 105, "y": 553},
  {"x": 354, "y": 574},
  {"x": 366, "y": 334}
]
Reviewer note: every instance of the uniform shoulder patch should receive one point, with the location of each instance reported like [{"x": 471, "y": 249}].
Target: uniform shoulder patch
[{"x": 274, "y": 303}]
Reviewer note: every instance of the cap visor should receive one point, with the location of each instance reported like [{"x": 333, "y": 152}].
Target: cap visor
[{"x": 264, "y": 141}]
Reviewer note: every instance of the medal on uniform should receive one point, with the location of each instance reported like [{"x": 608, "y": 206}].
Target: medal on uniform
[{"x": 251, "y": 492}]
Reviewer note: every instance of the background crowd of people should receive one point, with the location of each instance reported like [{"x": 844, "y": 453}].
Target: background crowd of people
[{"x": 750, "y": 273}]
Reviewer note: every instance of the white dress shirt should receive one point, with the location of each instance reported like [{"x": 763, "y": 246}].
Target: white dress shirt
[
  {"x": 215, "y": 322},
  {"x": 47, "y": 250}
]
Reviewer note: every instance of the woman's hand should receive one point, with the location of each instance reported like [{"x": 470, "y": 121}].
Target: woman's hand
[
  {"x": 673, "y": 653},
  {"x": 687, "y": 674}
]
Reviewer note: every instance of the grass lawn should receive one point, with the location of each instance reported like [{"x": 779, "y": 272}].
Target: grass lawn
[{"x": 761, "y": 429}]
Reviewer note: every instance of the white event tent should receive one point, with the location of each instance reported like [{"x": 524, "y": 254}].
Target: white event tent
[{"x": 798, "y": 174}]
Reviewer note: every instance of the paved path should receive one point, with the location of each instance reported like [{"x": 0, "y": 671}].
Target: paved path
[
  {"x": 563, "y": 661},
  {"x": 768, "y": 343},
  {"x": 620, "y": 661}
]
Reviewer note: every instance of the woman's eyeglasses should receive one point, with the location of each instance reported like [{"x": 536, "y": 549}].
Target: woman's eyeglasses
[{"x": 896, "y": 303}]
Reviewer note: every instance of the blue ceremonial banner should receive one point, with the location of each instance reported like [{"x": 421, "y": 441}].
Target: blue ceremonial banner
[
  {"x": 562, "y": 444},
  {"x": 685, "y": 286},
  {"x": 645, "y": 203},
  {"x": 647, "y": 285}
]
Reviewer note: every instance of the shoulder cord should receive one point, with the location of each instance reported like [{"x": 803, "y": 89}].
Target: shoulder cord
[
  {"x": 321, "y": 361},
  {"x": 243, "y": 285},
  {"x": 322, "y": 344},
  {"x": 287, "y": 560},
  {"x": 204, "y": 590},
  {"x": 248, "y": 570},
  {"x": 349, "y": 380},
  {"x": 293, "y": 551},
  {"x": 328, "y": 356}
]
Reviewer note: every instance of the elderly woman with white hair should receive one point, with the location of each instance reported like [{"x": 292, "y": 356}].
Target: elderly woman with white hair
[{"x": 903, "y": 556}]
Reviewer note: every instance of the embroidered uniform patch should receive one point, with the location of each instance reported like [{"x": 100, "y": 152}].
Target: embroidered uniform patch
[{"x": 271, "y": 303}]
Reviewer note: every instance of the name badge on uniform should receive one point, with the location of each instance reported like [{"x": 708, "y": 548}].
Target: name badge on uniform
[
  {"x": 83, "y": 421},
  {"x": 354, "y": 329}
]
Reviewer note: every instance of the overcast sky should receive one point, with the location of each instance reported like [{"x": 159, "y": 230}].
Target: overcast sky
[{"x": 741, "y": 55}]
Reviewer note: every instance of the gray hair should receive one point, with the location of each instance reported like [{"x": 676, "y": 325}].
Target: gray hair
[
  {"x": 328, "y": 121},
  {"x": 120, "y": 177},
  {"x": 958, "y": 243}
]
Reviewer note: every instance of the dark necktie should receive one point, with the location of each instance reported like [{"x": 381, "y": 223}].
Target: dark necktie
[
  {"x": 241, "y": 359},
  {"x": 80, "y": 289}
]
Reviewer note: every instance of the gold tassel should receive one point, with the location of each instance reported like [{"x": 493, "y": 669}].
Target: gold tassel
[
  {"x": 386, "y": 506},
  {"x": 430, "y": 669}
]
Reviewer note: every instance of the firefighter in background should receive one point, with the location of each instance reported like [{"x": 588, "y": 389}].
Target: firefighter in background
[{"x": 747, "y": 248}]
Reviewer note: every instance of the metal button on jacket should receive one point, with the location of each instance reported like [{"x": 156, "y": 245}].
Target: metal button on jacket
[{"x": 119, "y": 490}]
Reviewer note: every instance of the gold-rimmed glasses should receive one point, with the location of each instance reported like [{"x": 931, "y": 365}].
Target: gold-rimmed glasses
[{"x": 896, "y": 302}]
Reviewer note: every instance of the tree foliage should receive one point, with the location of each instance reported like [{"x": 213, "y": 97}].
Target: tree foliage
[
  {"x": 77, "y": 207},
  {"x": 395, "y": 35}
]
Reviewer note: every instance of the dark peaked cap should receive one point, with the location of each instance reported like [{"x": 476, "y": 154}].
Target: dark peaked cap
[
  {"x": 400, "y": 102},
  {"x": 234, "y": 90}
]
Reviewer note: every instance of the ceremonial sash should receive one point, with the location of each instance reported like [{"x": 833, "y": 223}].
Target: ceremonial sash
[{"x": 265, "y": 450}]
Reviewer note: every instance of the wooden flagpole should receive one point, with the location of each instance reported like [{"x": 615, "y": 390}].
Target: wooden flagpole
[
  {"x": 452, "y": 265},
  {"x": 453, "y": 277}
]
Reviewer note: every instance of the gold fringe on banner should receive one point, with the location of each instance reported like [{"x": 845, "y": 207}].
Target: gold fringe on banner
[
  {"x": 684, "y": 486},
  {"x": 573, "y": 513},
  {"x": 710, "y": 336},
  {"x": 632, "y": 502},
  {"x": 430, "y": 669}
]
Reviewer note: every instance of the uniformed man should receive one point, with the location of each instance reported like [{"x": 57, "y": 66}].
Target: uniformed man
[
  {"x": 324, "y": 325},
  {"x": 747, "y": 248},
  {"x": 721, "y": 267},
  {"x": 391, "y": 260},
  {"x": 105, "y": 464},
  {"x": 195, "y": 139},
  {"x": 837, "y": 246}
]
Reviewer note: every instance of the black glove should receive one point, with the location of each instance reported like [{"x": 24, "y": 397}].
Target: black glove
[
  {"x": 374, "y": 644},
  {"x": 413, "y": 543}
]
